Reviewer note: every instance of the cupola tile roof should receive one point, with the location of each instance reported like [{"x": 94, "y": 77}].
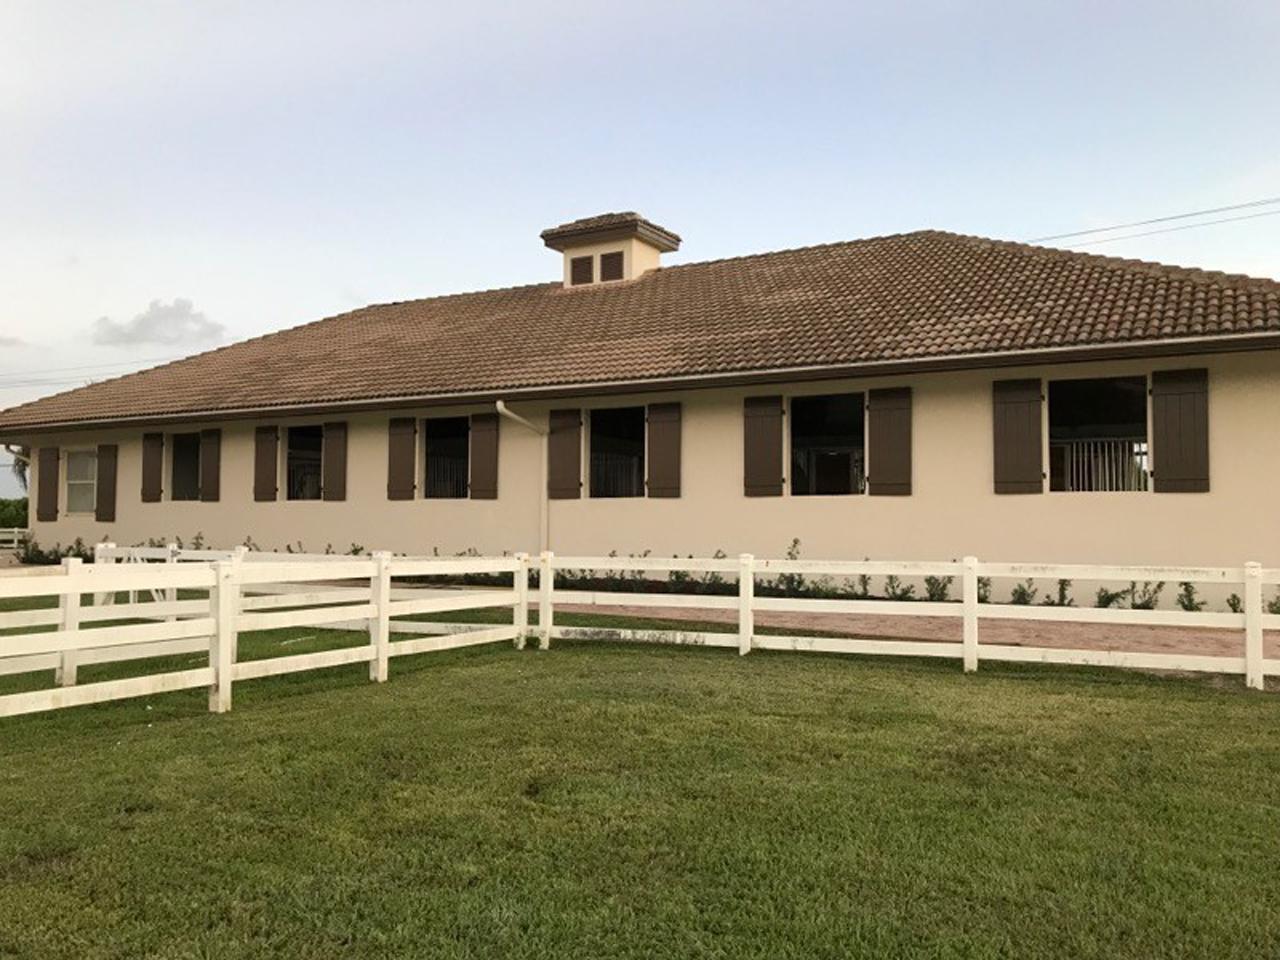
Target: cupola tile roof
[{"x": 926, "y": 297}]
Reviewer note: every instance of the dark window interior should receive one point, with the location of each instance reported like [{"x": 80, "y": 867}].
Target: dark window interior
[
  {"x": 827, "y": 445},
  {"x": 448, "y": 441},
  {"x": 617, "y": 452},
  {"x": 1098, "y": 434},
  {"x": 306, "y": 445},
  {"x": 185, "y": 476},
  {"x": 580, "y": 270},
  {"x": 611, "y": 266}
]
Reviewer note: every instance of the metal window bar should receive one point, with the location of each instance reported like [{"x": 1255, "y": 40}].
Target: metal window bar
[{"x": 1105, "y": 465}]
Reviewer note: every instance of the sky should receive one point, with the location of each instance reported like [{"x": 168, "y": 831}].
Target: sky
[{"x": 176, "y": 175}]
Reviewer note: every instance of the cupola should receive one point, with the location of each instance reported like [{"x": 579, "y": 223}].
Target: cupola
[{"x": 609, "y": 247}]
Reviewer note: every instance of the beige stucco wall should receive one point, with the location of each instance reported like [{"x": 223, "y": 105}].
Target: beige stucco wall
[
  {"x": 952, "y": 511},
  {"x": 638, "y": 257}
]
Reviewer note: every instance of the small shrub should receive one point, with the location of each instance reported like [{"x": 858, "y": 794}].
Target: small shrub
[
  {"x": 938, "y": 589},
  {"x": 1062, "y": 598},
  {"x": 1235, "y": 604},
  {"x": 1273, "y": 605},
  {"x": 1187, "y": 598},
  {"x": 31, "y": 552},
  {"x": 1147, "y": 597},
  {"x": 1024, "y": 593},
  {"x": 1109, "y": 598},
  {"x": 894, "y": 590},
  {"x": 984, "y": 589}
]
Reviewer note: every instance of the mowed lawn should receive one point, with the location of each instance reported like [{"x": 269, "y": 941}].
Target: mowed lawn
[{"x": 632, "y": 801}]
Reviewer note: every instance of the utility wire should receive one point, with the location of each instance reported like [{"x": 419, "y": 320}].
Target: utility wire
[
  {"x": 91, "y": 366},
  {"x": 1176, "y": 216},
  {"x": 1187, "y": 226}
]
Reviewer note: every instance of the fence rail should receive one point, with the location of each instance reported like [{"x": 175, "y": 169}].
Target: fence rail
[
  {"x": 240, "y": 591},
  {"x": 11, "y": 538}
]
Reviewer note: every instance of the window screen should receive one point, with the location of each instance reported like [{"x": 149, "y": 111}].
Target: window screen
[
  {"x": 611, "y": 266},
  {"x": 303, "y": 463},
  {"x": 617, "y": 452},
  {"x": 447, "y": 449},
  {"x": 827, "y": 445},
  {"x": 185, "y": 471},
  {"x": 580, "y": 270}
]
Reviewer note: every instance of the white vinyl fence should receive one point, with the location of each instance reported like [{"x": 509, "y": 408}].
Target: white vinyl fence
[
  {"x": 11, "y": 538},
  {"x": 237, "y": 591}
]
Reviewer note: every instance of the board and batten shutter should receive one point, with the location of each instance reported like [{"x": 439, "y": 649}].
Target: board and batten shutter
[
  {"x": 152, "y": 467},
  {"x": 47, "y": 485},
  {"x": 889, "y": 442},
  {"x": 266, "y": 462},
  {"x": 1180, "y": 430},
  {"x": 402, "y": 446},
  {"x": 564, "y": 455},
  {"x": 104, "y": 508},
  {"x": 664, "y": 449},
  {"x": 333, "y": 476},
  {"x": 484, "y": 456},
  {"x": 762, "y": 446},
  {"x": 1019, "y": 452},
  {"x": 210, "y": 465}
]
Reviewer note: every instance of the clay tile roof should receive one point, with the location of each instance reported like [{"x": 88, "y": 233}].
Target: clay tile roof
[
  {"x": 924, "y": 297},
  {"x": 610, "y": 225}
]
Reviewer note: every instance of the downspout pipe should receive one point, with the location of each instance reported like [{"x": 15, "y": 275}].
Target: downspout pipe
[
  {"x": 544, "y": 504},
  {"x": 17, "y": 454}
]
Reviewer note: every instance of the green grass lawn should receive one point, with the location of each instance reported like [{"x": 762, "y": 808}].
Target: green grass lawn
[{"x": 630, "y": 801}]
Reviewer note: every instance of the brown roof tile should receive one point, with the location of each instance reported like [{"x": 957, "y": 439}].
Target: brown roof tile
[{"x": 925, "y": 295}]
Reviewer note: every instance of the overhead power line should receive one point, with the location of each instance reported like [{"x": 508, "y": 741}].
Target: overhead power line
[
  {"x": 1176, "y": 216},
  {"x": 1187, "y": 226},
  {"x": 90, "y": 366}
]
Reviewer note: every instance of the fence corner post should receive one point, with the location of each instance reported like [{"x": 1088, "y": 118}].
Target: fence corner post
[
  {"x": 225, "y": 607},
  {"x": 69, "y": 605},
  {"x": 969, "y": 595},
  {"x": 546, "y": 586},
  {"x": 1253, "y": 610},
  {"x": 380, "y": 622},
  {"x": 746, "y": 601},
  {"x": 520, "y": 615}
]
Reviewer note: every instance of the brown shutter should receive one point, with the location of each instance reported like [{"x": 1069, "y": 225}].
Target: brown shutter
[
  {"x": 47, "y": 487},
  {"x": 564, "y": 455},
  {"x": 664, "y": 450},
  {"x": 484, "y": 456},
  {"x": 104, "y": 510},
  {"x": 580, "y": 270},
  {"x": 210, "y": 465},
  {"x": 762, "y": 446},
  {"x": 1180, "y": 430},
  {"x": 889, "y": 442},
  {"x": 266, "y": 461},
  {"x": 402, "y": 445},
  {"x": 1019, "y": 457},
  {"x": 333, "y": 479},
  {"x": 611, "y": 266},
  {"x": 152, "y": 467}
]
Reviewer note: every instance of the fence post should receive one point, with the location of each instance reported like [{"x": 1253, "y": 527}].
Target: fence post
[
  {"x": 520, "y": 616},
  {"x": 1253, "y": 676},
  {"x": 969, "y": 594},
  {"x": 171, "y": 595},
  {"x": 103, "y": 599},
  {"x": 746, "y": 597},
  {"x": 546, "y": 584},
  {"x": 224, "y": 606},
  {"x": 380, "y": 623},
  {"x": 69, "y": 604}
]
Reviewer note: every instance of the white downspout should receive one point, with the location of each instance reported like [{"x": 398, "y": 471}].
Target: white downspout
[{"x": 544, "y": 504}]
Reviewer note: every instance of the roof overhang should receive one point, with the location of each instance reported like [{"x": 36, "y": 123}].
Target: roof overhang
[
  {"x": 572, "y": 235},
  {"x": 1181, "y": 347}
]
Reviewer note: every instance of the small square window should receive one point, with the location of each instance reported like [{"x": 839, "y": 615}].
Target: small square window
[
  {"x": 827, "y": 445},
  {"x": 185, "y": 469},
  {"x": 82, "y": 481},
  {"x": 580, "y": 271},
  {"x": 611, "y": 266}
]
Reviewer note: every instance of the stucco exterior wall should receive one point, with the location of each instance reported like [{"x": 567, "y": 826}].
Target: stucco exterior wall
[{"x": 951, "y": 512}]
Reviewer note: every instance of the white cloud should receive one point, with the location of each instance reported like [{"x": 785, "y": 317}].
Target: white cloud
[
  {"x": 176, "y": 324},
  {"x": 12, "y": 341}
]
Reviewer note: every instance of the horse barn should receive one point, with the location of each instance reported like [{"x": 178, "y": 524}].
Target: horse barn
[{"x": 925, "y": 395}]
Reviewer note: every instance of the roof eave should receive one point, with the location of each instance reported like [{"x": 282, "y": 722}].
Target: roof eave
[{"x": 1185, "y": 346}]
